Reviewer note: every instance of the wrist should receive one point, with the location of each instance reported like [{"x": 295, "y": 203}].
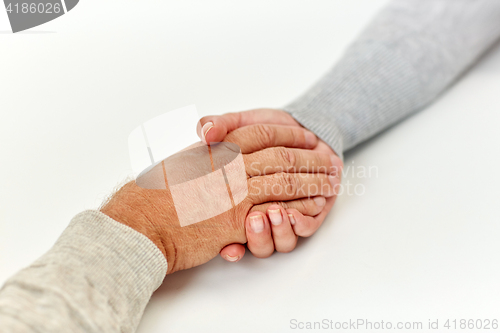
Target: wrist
[{"x": 133, "y": 208}]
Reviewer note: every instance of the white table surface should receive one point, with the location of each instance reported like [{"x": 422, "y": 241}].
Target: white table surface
[{"x": 421, "y": 242}]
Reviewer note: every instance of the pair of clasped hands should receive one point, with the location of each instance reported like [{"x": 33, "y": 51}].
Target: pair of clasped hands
[{"x": 292, "y": 177}]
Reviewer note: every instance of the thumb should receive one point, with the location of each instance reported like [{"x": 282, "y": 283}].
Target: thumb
[
  {"x": 215, "y": 128},
  {"x": 233, "y": 252}
]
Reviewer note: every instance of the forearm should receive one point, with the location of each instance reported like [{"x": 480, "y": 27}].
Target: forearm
[
  {"x": 411, "y": 52},
  {"x": 98, "y": 277}
]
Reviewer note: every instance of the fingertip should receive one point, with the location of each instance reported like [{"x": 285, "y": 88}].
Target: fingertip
[
  {"x": 311, "y": 139},
  {"x": 283, "y": 235},
  {"x": 216, "y": 133},
  {"x": 336, "y": 169},
  {"x": 205, "y": 130},
  {"x": 293, "y": 215},
  {"x": 201, "y": 123},
  {"x": 277, "y": 214},
  {"x": 320, "y": 201},
  {"x": 257, "y": 222},
  {"x": 212, "y": 129},
  {"x": 233, "y": 252},
  {"x": 259, "y": 238},
  {"x": 304, "y": 226}
]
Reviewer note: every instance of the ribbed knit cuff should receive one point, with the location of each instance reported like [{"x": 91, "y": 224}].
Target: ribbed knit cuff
[
  {"x": 116, "y": 249},
  {"x": 369, "y": 89},
  {"x": 98, "y": 277},
  {"x": 320, "y": 124}
]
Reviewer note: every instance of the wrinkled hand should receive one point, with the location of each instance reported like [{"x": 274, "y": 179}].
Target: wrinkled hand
[
  {"x": 152, "y": 211},
  {"x": 307, "y": 218}
]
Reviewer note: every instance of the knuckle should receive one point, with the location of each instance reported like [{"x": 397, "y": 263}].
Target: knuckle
[
  {"x": 280, "y": 203},
  {"x": 289, "y": 182},
  {"x": 303, "y": 207},
  {"x": 286, "y": 156},
  {"x": 265, "y": 134}
]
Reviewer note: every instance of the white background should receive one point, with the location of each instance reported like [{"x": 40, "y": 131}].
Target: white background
[{"x": 421, "y": 243}]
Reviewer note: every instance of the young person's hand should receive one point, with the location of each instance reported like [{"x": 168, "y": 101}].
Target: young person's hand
[{"x": 305, "y": 220}]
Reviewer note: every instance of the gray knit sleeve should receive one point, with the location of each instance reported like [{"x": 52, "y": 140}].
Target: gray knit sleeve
[
  {"x": 409, "y": 54},
  {"x": 98, "y": 277}
]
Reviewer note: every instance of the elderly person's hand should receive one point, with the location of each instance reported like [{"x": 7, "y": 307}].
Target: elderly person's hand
[
  {"x": 153, "y": 211},
  {"x": 307, "y": 221}
]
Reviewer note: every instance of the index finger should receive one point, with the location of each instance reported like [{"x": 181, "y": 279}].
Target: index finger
[
  {"x": 215, "y": 128},
  {"x": 253, "y": 138}
]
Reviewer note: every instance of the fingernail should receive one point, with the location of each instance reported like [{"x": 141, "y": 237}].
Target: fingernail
[
  {"x": 310, "y": 139},
  {"x": 320, "y": 201},
  {"x": 204, "y": 130},
  {"x": 257, "y": 223},
  {"x": 275, "y": 216},
  {"x": 233, "y": 259},
  {"x": 292, "y": 219}
]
